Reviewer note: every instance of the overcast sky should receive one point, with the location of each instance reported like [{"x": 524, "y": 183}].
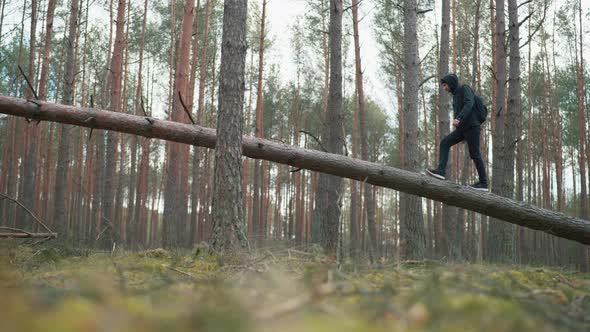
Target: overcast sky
[{"x": 282, "y": 15}]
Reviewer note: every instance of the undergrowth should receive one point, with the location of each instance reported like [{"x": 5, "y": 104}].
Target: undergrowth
[{"x": 284, "y": 290}]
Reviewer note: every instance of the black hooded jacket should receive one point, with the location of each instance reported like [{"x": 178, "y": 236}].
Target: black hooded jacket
[{"x": 463, "y": 103}]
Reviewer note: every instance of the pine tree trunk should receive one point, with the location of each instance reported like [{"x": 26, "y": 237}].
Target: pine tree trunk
[
  {"x": 354, "y": 195},
  {"x": 581, "y": 125},
  {"x": 257, "y": 211},
  {"x": 328, "y": 199},
  {"x": 449, "y": 213},
  {"x": 368, "y": 199},
  {"x": 109, "y": 180},
  {"x": 228, "y": 217},
  {"x": 195, "y": 173},
  {"x": 132, "y": 212},
  {"x": 513, "y": 114},
  {"x": 46, "y": 48},
  {"x": 411, "y": 227},
  {"x": 63, "y": 155},
  {"x": 3, "y": 5},
  {"x": 200, "y": 183},
  {"x": 29, "y": 174},
  {"x": 500, "y": 235},
  {"x": 175, "y": 200}
]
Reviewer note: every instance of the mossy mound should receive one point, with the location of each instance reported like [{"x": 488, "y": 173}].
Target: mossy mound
[{"x": 160, "y": 290}]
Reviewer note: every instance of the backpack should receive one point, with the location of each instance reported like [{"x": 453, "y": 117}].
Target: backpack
[{"x": 481, "y": 110}]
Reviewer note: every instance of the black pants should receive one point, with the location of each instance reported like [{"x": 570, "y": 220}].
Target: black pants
[{"x": 470, "y": 135}]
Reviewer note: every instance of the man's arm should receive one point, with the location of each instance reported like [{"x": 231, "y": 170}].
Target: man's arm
[{"x": 468, "y": 103}]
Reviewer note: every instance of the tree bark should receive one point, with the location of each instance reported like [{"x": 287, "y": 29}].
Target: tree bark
[
  {"x": 46, "y": 49},
  {"x": 368, "y": 198},
  {"x": 328, "y": 199},
  {"x": 447, "y": 246},
  {"x": 584, "y": 210},
  {"x": 500, "y": 235},
  {"x": 411, "y": 228},
  {"x": 518, "y": 213},
  {"x": 132, "y": 214},
  {"x": 228, "y": 214},
  {"x": 191, "y": 91},
  {"x": 257, "y": 211},
  {"x": 63, "y": 156},
  {"x": 116, "y": 69},
  {"x": 175, "y": 197},
  {"x": 29, "y": 174}
]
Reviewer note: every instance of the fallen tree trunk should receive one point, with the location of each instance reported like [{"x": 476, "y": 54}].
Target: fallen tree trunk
[
  {"x": 28, "y": 235},
  {"x": 518, "y": 213}
]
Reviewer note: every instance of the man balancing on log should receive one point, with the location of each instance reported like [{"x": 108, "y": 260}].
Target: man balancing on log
[{"x": 469, "y": 112}]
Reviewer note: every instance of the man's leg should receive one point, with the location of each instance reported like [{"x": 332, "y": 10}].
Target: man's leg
[
  {"x": 472, "y": 136},
  {"x": 445, "y": 146}
]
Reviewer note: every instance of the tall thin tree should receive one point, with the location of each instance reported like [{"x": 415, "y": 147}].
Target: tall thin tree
[
  {"x": 328, "y": 199},
  {"x": 228, "y": 214},
  {"x": 63, "y": 155},
  {"x": 369, "y": 205},
  {"x": 175, "y": 205},
  {"x": 501, "y": 235},
  {"x": 116, "y": 69},
  {"x": 411, "y": 220}
]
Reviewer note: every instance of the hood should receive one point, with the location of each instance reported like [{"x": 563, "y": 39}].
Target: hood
[{"x": 451, "y": 80}]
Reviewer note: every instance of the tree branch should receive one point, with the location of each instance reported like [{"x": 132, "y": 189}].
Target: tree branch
[
  {"x": 3, "y": 196},
  {"x": 426, "y": 80},
  {"x": 315, "y": 138},
  {"x": 524, "y": 3},
  {"x": 536, "y": 28},
  {"x": 351, "y": 6},
  {"x": 424, "y": 11},
  {"x": 186, "y": 108},
  {"x": 28, "y": 83}
]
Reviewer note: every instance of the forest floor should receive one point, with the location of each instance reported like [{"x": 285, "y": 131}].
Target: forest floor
[{"x": 283, "y": 290}]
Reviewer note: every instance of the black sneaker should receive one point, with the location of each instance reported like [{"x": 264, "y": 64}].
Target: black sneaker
[
  {"x": 436, "y": 173},
  {"x": 479, "y": 186}
]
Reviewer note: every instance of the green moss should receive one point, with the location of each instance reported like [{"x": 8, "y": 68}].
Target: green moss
[{"x": 158, "y": 290}]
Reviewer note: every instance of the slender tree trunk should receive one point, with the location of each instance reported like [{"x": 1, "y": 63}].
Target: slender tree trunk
[
  {"x": 3, "y": 5},
  {"x": 513, "y": 115},
  {"x": 446, "y": 246},
  {"x": 257, "y": 212},
  {"x": 200, "y": 112},
  {"x": 109, "y": 180},
  {"x": 63, "y": 155},
  {"x": 354, "y": 195},
  {"x": 328, "y": 199},
  {"x": 228, "y": 218},
  {"x": 175, "y": 201},
  {"x": 29, "y": 174},
  {"x": 368, "y": 198},
  {"x": 411, "y": 228},
  {"x": 500, "y": 235},
  {"x": 46, "y": 49},
  {"x": 133, "y": 215},
  {"x": 195, "y": 165},
  {"x": 581, "y": 123}
]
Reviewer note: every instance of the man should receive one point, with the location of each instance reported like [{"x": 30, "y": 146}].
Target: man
[{"x": 467, "y": 128}]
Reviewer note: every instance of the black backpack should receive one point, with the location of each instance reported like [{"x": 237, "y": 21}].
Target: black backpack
[{"x": 481, "y": 110}]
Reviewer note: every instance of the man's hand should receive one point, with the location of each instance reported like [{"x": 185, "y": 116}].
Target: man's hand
[{"x": 456, "y": 123}]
